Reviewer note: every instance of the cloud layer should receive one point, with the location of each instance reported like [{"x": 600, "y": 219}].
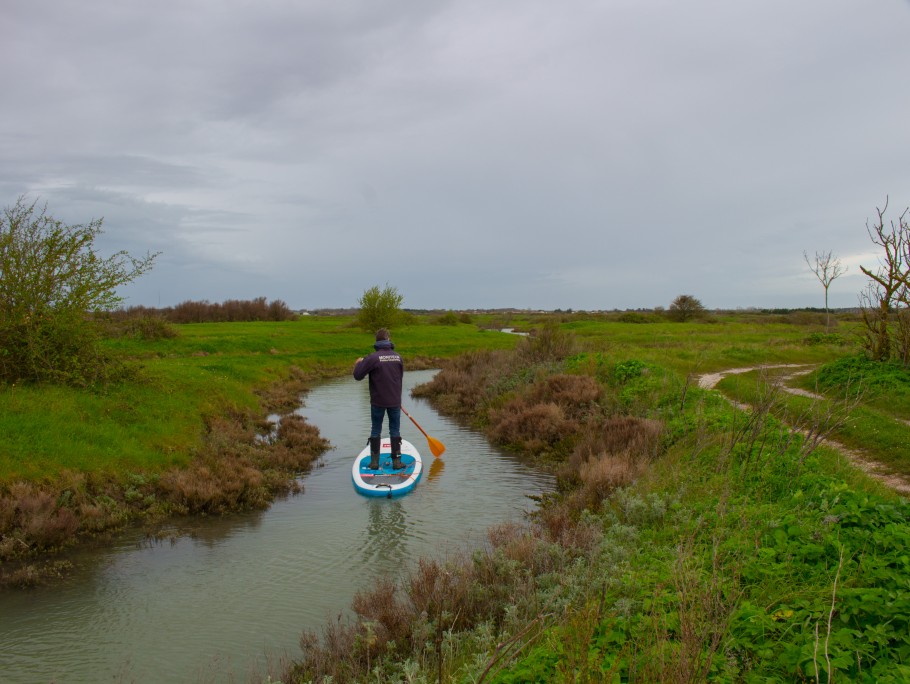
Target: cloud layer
[{"x": 589, "y": 155}]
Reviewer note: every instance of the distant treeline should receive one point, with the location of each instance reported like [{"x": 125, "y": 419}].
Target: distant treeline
[{"x": 231, "y": 310}]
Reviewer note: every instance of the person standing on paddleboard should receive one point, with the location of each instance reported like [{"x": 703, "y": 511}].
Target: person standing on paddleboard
[{"x": 386, "y": 371}]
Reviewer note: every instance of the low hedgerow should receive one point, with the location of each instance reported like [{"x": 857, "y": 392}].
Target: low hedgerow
[{"x": 147, "y": 327}]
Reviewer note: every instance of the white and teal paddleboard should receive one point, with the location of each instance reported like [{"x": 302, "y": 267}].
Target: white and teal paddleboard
[{"x": 387, "y": 481}]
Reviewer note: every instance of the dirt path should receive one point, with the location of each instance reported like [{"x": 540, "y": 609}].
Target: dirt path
[
  {"x": 899, "y": 483},
  {"x": 710, "y": 380}
]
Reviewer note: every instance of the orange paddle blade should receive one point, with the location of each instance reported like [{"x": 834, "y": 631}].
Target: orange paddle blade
[{"x": 437, "y": 447}]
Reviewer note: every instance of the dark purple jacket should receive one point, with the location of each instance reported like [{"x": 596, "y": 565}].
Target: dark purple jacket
[{"x": 386, "y": 370}]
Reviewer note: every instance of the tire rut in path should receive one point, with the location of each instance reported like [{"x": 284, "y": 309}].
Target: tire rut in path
[{"x": 861, "y": 460}]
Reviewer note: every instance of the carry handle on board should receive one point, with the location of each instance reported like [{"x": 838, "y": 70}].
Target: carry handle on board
[{"x": 436, "y": 446}]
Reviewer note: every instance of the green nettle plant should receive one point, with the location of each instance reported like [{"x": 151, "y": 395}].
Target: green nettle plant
[
  {"x": 379, "y": 308},
  {"x": 53, "y": 283}
]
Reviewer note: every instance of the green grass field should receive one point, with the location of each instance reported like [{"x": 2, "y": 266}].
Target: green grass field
[
  {"x": 697, "y": 347},
  {"x": 213, "y": 368},
  {"x": 207, "y": 370}
]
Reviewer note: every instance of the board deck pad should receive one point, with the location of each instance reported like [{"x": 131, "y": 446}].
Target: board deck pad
[{"x": 387, "y": 481}]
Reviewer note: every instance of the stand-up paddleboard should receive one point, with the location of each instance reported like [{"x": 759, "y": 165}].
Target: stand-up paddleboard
[{"x": 386, "y": 481}]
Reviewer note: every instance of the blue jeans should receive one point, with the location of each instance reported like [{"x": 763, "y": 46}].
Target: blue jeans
[{"x": 376, "y": 415}]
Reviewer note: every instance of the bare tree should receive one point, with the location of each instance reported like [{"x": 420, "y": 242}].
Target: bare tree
[
  {"x": 827, "y": 269},
  {"x": 889, "y": 281},
  {"x": 902, "y": 325}
]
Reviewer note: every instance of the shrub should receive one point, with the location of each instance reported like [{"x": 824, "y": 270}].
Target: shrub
[
  {"x": 684, "y": 308},
  {"x": 546, "y": 345},
  {"x": 379, "y": 308},
  {"x": 144, "y": 327},
  {"x": 466, "y": 381},
  {"x": 635, "y": 317},
  {"x": 576, "y": 395},
  {"x": 626, "y": 370},
  {"x": 533, "y": 428},
  {"x": 609, "y": 456},
  {"x": 51, "y": 280},
  {"x": 448, "y": 318}
]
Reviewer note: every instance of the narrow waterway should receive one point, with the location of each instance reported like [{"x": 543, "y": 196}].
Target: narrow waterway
[{"x": 214, "y": 605}]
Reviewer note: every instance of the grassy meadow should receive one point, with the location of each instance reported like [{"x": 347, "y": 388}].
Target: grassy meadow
[
  {"x": 687, "y": 539},
  {"x": 208, "y": 370}
]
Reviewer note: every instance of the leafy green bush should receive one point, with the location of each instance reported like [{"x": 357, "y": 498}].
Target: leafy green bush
[
  {"x": 148, "y": 328},
  {"x": 51, "y": 281},
  {"x": 856, "y": 370},
  {"x": 448, "y": 318},
  {"x": 626, "y": 370},
  {"x": 379, "y": 308},
  {"x": 848, "y": 611},
  {"x": 635, "y": 317},
  {"x": 817, "y": 338}
]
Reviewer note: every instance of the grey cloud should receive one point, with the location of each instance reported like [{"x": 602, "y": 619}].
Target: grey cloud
[{"x": 525, "y": 153}]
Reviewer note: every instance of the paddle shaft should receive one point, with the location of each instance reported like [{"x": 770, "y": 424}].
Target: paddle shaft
[
  {"x": 436, "y": 447},
  {"x": 415, "y": 423}
]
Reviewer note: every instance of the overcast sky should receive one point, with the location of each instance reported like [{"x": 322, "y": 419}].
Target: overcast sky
[{"x": 587, "y": 154}]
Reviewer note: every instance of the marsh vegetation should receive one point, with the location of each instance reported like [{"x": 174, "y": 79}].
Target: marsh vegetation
[{"x": 688, "y": 539}]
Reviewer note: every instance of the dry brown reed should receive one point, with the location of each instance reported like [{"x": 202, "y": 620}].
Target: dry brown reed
[
  {"x": 419, "y": 362},
  {"x": 576, "y": 394},
  {"x": 36, "y": 513},
  {"x": 284, "y": 395},
  {"x": 612, "y": 454},
  {"x": 534, "y": 428},
  {"x": 233, "y": 469},
  {"x": 466, "y": 381},
  {"x": 237, "y": 470},
  {"x": 497, "y": 585},
  {"x": 548, "y": 411},
  {"x": 547, "y": 344}
]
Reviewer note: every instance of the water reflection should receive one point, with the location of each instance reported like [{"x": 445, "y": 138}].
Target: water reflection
[
  {"x": 435, "y": 469},
  {"x": 386, "y": 535}
]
